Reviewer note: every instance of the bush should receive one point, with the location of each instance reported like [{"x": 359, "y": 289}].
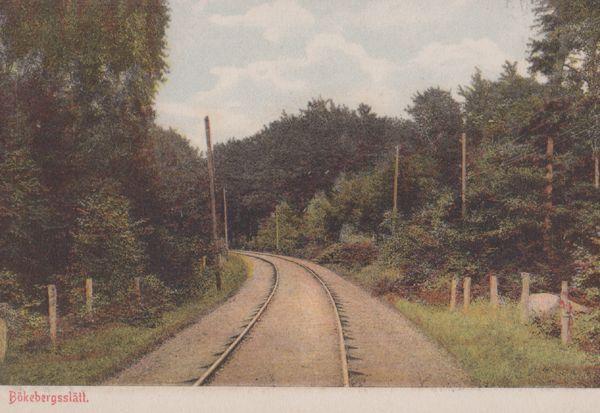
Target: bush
[
  {"x": 14, "y": 320},
  {"x": 586, "y": 331},
  {"x": 156, "y": 296},
  {"x": 105, "y": 246},
  {"x": 349, "y": 255},
  {"x": 11, "y": 290},
  {"x": 156, "y": 299}
]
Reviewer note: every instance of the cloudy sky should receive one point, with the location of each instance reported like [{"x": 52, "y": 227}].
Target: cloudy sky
[{"x": 244, "y": 61}]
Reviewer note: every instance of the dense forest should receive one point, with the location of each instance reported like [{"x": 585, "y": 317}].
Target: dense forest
[{"x": 90, "y": 186}]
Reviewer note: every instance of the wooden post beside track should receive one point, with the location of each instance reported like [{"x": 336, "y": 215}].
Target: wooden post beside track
[
  {"x": 525, "y": 298},
  {"x": 52, "y": 315},
  {"x": 494, "y": 291},
  {"x": 565, "y": 314},
  {"x": 466, "y": 293},
  {"x": 453, "y": 285},
  {"x": 3, "y": 339},
  {"x": 89, "y": 297}
]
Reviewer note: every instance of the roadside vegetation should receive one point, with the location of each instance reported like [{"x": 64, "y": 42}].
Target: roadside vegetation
[
  {"x": 496, "y": 350},
  {"x": 91, "y": 356}
]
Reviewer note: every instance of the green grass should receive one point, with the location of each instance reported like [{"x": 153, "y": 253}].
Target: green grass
[
  {"x": 92, "y": 357},
  {"x": 498, "y": 351}
]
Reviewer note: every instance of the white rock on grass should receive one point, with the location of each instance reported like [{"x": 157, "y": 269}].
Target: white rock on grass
[{"x": 546, "y": 304}]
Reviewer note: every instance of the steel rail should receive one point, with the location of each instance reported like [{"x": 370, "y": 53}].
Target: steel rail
[
  {"x": 218, "y": 362},
  {"x": 342, "y": 343}
]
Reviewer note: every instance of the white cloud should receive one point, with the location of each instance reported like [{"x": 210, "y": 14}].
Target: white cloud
[
  {"x": 276, "y": 19},
  {"x": 244, "y": 96},
  {"x": 382, "y": 14},
  {"x": 469, "y": 52}
]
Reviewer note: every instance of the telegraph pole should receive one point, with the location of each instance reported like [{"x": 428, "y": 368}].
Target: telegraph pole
[
  {"x": 548, "y": 192},
  {"x": 596, "y": 170},
  {"x": 396, "y": 180},
  {"x": 225, "y": 219},
  {"x": 213, "y": 206},
  {"x": 463, "y": 193},
  {"x": 277, "y": 228}
]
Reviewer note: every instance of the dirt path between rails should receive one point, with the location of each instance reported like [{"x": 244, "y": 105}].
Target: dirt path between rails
[
  {"x": 183, "y": 358},
  {"x": 389, "y": 350},
  {"x": 294, "y": 343}
]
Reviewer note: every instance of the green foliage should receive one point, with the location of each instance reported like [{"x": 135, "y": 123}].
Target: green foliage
[
  {"x": 290, "y": 234},
  {"x": 361, "y": 200},
  {"x": 105, "y": 246},
  {"x": 438, "y": 122},
  {"x": 11, "y": 289},
  {"x": 586, "y": 331},
  {"x": 318, "y": 220},
  {"x": 587, "y": 266},
  {"x": 349, "y": 255}
]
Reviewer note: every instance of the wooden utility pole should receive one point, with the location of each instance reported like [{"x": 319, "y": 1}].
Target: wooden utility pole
[
  {"x": 596, "y": 170},
  {"x": 137, "y": 288},
  {"x": 548, "y": 193},
  {"x": 277, "y": 229},
  {"x": 395, "y": 210},
  {"x": 463, "y": 192},
  {"x": 225, "y": 226},
  {"x": 213, "y": 202}
]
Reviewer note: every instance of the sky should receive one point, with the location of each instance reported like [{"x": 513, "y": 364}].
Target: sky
[{"x": 244, "y": 62}]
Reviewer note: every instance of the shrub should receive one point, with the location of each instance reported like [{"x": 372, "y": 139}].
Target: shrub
[
  {"x": 156, "y": 296},
  {"x": 349, "y": 254},
  {"x": 586, "y": 331},
  {"x": 11, "y": 290},
  {"x": 105, "y": 246},
  {"x": 156, "y": 299}
]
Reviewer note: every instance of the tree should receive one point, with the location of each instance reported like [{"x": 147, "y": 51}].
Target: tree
[
  {"x": 290, "y": 235},
  {"x": 438, "y": 121},
  {"x": 105, "y": 245}
]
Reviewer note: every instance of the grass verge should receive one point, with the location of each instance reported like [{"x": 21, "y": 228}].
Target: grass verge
[
  {"x": 497, "y": 351},
  {"x": 95, "y": 356}
]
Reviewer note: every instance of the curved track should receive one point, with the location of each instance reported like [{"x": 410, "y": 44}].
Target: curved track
[
  {"x": 229, "y": 350},
  {"x": 336, "y": 308}
]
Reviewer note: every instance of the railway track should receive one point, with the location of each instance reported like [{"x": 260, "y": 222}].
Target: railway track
[
  {"x": 342, "y": 337},
  {"x": 236, "y": 340}
]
